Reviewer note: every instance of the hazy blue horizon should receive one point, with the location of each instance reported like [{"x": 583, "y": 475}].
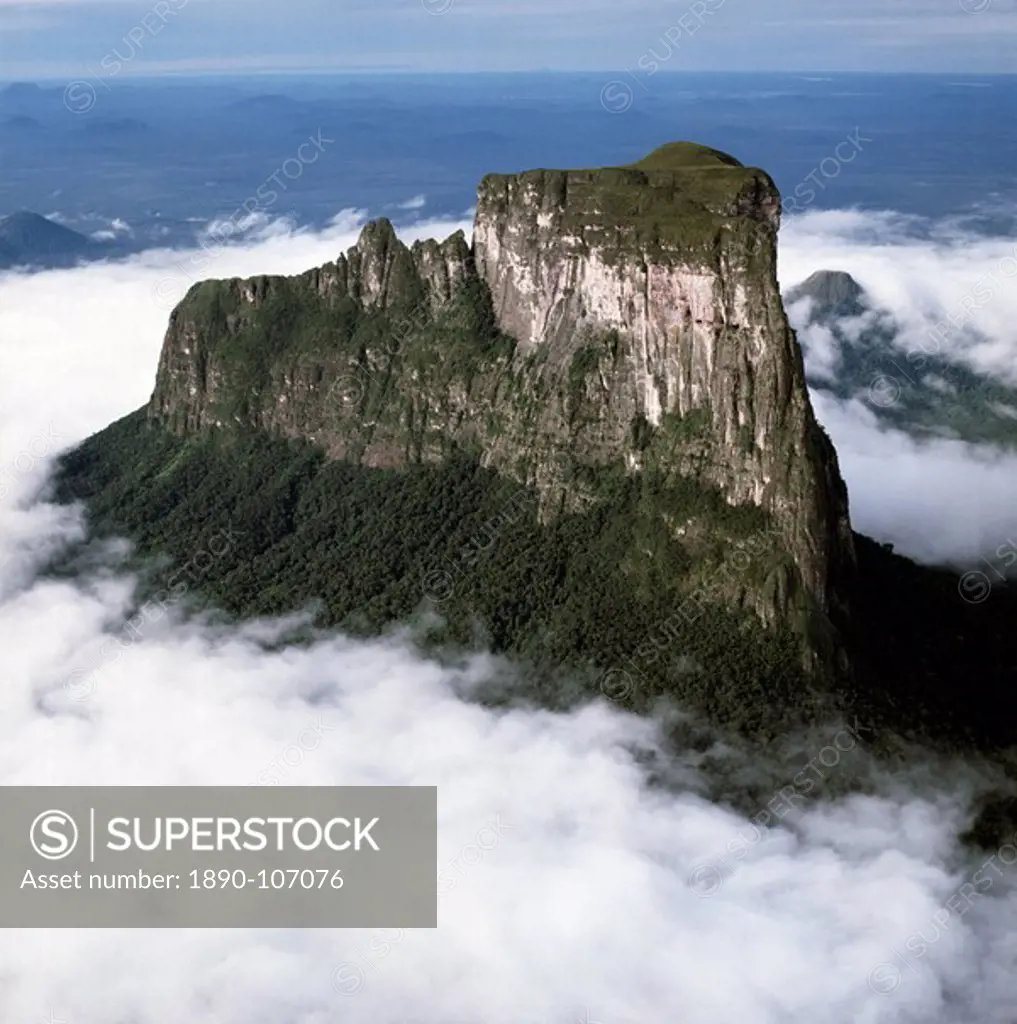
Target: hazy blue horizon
[
  {"x": 155, "y": 158},
  {"x": 57, "y": 38},
  {"x": 210, "y": 76}
]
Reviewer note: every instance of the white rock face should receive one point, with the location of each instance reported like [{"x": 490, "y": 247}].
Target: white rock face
[
  {"x": 705, "y": 330},
  {"x": 547, "y": 286}
]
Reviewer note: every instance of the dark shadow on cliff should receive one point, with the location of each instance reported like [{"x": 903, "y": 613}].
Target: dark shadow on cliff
[{"x": 929, "y": 661}]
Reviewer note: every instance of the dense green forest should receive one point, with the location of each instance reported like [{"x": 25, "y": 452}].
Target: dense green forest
[{"x": 603, "y": 603}]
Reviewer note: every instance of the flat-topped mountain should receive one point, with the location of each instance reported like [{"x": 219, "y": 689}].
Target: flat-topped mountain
[
  {"x": 619, "y": 317},
  {"x": 582, "y": 436}
]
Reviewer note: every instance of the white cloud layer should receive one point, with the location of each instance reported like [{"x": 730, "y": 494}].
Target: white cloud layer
[
  {"x": 590, "y": 907},
  {"x": 939, "y": 500}
]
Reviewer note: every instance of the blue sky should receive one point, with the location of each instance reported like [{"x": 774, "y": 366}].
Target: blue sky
[{"x": 60, "y": 38}]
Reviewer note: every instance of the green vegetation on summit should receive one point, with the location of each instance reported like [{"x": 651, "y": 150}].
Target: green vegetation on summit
[{"x": 676, "y": 203}]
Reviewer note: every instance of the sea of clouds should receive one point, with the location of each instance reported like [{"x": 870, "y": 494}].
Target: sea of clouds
[{"x": 572, "y": 889}]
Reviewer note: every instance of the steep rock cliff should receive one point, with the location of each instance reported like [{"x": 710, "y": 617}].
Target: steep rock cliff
[{"x": 624, "y": 318}]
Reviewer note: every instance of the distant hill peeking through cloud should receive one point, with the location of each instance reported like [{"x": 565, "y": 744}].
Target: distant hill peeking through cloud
[{"x": 853, "y": 349}]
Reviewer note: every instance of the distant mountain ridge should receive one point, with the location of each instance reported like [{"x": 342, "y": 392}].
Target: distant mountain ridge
[{"x": 29, "y": 239}]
